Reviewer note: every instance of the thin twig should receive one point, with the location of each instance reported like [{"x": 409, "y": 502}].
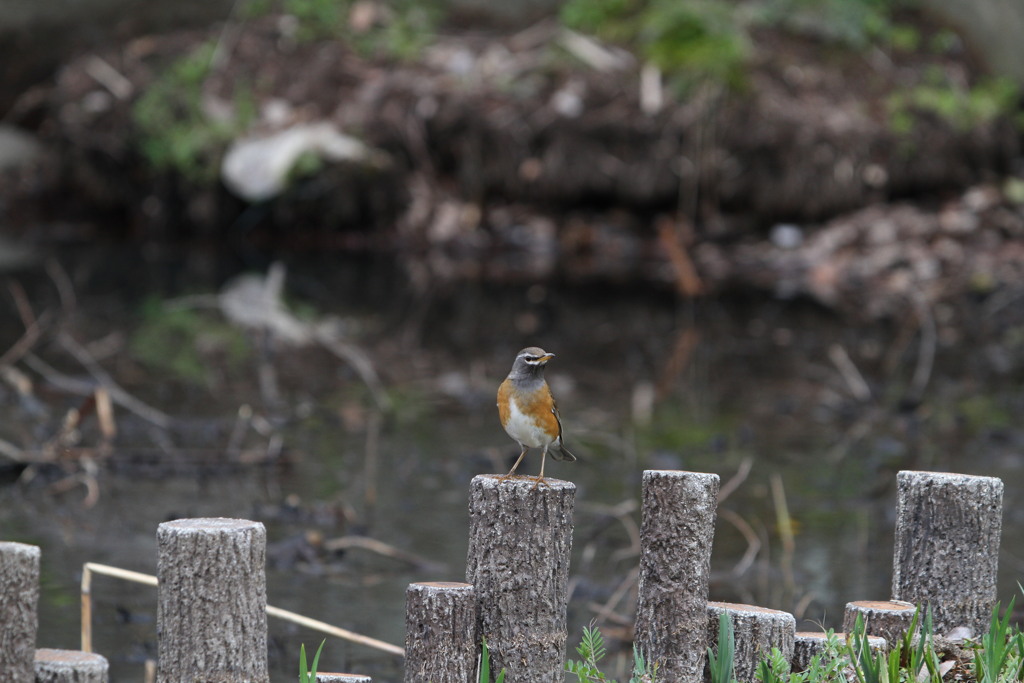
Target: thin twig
[
  {"x": 65, "y": 288},
  {"x": 83, "y": 388},
  {"x": 854, "y": 380},
  {"x": 378, "y": 547},
  {"x": 926, "y": 352},
  {"x": 785, "y": 527},
  {"x": 753, "y": 542},
  {"x": 735, "y": 480},
  {"x": 90, "y": 568}
]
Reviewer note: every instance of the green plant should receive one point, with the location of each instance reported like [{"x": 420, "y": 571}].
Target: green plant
[
  {"x": 592, "y": 650},
  {"x": 775, "y": 669},
  {"x": 485, "y": 665},
  {"x": 692, "y": 40},
  {"x": 828, "y": 665},
  {"x": 176, "y": 131},
  {"x": 963, "y": 108},
  {"x": 308, "y": 675},
  {"x": 722, "y": 664},
  {"x": 1001, "y": 655},
  {"x": 398, "y": 29}
]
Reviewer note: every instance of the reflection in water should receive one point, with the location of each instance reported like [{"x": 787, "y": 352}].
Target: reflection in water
[{"x": 752, "y": 391}]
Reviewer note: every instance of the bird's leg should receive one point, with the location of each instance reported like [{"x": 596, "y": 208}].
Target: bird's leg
[
  {"x": 540, "y": 479},
  {"x": 513, "y": 470}
]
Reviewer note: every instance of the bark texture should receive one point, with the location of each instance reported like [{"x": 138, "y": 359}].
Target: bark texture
[
  {"x": 678, "y": 524},
  {"x": 947, "y": 546},
  {"x": 518, "y": 562},
  {"x": 211, "y": 612},
  {"x": 756, "y": 629},
  {"x": 440, "y": 633},
  {"x": 889, "y": 619},
  {"x": 809, "y": 643},
  {"x": 19, "y": 621},
  {"x": 70, "y": 666}
]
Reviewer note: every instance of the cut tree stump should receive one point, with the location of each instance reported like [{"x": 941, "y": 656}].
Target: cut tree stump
[
  {"x": 70, "y": 666},
  {"x": 806, "y": 644},
  {"x": 19, "y": 621},
  {"x": 756, "y": 630},
  {"x": 342, "y": 678},
  {"x": 889, "y": 619},
  {"x": 947, "y": 546},
  {"x": 211, "y": 601},
  {"x": 677, "y": 527},
  {"x": 440, "y": 633},
  {"x": 520, "y": 535}
]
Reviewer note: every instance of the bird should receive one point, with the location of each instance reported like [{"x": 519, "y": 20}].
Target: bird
[{"x": 528, "y": 412}]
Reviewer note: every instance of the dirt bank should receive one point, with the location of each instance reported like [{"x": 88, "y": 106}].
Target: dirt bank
[{"x": 521, "y": 157}]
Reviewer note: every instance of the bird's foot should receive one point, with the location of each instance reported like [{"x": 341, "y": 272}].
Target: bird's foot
[{"x": 539, "y": 481}]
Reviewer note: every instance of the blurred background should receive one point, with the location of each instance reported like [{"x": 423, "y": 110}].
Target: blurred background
[{"x": 270, "y": 259}]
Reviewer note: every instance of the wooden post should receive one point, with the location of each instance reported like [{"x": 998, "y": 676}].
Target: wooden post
[
  {"x": 809, "y": 643},
  {"x": 440, "y": 633},
  {"x": 19, "y": 621},
  {"x": 212, "y": 600},
  {"x": 677, "y": 526},
  {"x": 756, "y": 629},
  {"x": 889, "y": 619},
  {"x": 70, "y": 666},
  {"x": 342, "y": 678},
  {"x": 520, "y": 536},
  {"x": 947, "y": 546}
]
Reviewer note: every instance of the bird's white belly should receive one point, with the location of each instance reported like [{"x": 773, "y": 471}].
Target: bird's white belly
[{"x": 523, "y": 429}]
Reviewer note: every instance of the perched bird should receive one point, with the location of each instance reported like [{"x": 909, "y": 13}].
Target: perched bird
[{"x": 528, "y": 411}]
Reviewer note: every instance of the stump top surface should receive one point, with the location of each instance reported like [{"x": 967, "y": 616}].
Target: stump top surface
[
  {"x": 19, "y": 548},
  {"x": 946, "y": 477},
  {"x": 442, "y": 585},
  {"x": 737, "y": 607},
  {"x": 211, "y": 524},
  {"x": 888, "y": 605},
  {"x": 522, "y": 483},
  {"x": 873, "y": 641},
  {"x": 679, "y": 474},
  {"x": 342, "y": 678},
  {"x": 815, "y": 635},
  {"x": 68, "y": 657}
]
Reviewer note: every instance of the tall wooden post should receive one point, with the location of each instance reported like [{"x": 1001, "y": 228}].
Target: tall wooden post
[
  {"x": 947, "y": 546},
  {"x": 19, "y": 620},
  {"x": 520, "y": 536},
  {"x": 212, "y": 601},
  {"x": 70, "y": 666},
  {"x": 440, "y": 633},
  {"x": 677, "y": 526}
]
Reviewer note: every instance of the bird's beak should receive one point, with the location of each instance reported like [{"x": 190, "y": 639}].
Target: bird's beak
[{"x": 546, "y": 357}]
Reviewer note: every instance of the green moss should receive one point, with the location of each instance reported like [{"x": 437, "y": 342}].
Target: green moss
[
  {"x": 176, "y": 133},
  {"x": 693, "y": 40},
  {"x": 400, "y": 30},
  {"x": 961, "y": 107}
]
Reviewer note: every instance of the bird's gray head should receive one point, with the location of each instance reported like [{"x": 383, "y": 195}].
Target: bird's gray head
[{"x": 531, "y": 361}]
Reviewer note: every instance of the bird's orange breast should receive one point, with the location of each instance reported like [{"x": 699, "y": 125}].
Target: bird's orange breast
[{"x": 537, "y": 406}]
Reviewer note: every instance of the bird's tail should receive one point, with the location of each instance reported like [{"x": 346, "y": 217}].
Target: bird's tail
[{"x": 560, "y": 452}]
